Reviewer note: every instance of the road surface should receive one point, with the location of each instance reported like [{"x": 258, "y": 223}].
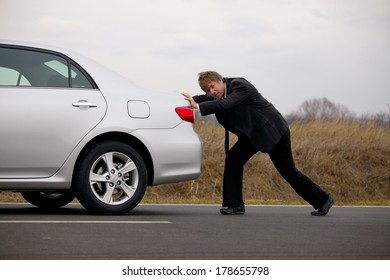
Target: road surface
[{"x": 190, "y": 232}]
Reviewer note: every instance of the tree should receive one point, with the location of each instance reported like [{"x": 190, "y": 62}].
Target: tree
[{"x": 320, "y": 108}]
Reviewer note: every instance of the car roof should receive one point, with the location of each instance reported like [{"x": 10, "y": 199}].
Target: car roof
[{"x": 36, "y": 45}]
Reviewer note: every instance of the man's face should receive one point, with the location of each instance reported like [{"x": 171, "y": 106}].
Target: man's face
[{"x": 216, "y": 89}]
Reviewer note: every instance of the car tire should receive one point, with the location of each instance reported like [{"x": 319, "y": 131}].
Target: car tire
[
  {"x": 49, "y": 199},
  {"x": 110, "y": 178}
]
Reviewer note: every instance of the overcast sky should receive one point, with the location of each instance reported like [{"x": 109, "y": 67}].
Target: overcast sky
[{"x": 291, "y": 50}]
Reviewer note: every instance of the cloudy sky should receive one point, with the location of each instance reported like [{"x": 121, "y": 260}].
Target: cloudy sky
[{"x": 291, "y": 50}]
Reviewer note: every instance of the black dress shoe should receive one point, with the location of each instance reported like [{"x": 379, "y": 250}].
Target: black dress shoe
[
  {"x": 239, "y": 210},
  {"x": 324, "y": 209}
]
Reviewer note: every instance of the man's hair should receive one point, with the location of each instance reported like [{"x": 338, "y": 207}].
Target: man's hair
[{"x": 207, "y": 77}]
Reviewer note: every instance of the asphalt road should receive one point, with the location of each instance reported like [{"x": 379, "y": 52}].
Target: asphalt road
[{"x": 189, "y": 232}]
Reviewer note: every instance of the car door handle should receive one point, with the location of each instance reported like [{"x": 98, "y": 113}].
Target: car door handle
[{"x": 83, "y": 104}]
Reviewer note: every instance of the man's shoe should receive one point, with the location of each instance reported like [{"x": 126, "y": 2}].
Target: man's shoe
[
  {"x": 322, "y": 211},
  {"x": 239, "y": 210}
]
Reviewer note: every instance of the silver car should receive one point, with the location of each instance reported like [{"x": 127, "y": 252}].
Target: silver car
[{"x": 70, "y": 128}]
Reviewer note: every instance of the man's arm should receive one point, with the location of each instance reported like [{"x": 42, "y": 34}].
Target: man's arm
[
  {"x": 238, "y": 93},
  {"x": 202, "y": 98},
  {"x": 196, "y": 99}
]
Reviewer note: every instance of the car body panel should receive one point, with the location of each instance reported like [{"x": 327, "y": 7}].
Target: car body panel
[
  {"x": 40, "y": 128},
  {"x": 175, "y": 159}
]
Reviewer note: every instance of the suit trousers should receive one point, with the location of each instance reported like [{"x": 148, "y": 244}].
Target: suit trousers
[{"x": 282, "y": 158}]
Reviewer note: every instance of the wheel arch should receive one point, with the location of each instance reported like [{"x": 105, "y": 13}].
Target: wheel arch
[{"x": 126, "y": 139}]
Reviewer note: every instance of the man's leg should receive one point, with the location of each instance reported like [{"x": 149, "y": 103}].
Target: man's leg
[
  {"x": 281, "y": 156},
  {"x": 235, "y": 160}
]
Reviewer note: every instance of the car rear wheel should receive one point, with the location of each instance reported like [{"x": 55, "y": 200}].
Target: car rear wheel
[
  {"x": 111, "y": 178},
  {"x": 49, "y": 199}
]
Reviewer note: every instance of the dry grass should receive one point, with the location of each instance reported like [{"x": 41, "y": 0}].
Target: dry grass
[{"x": 349, "y": 159}]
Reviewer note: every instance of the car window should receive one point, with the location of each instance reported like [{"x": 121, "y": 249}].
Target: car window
[
  {"x": 10, "y": 77},
  {"x": 22, "y": 67},
  {"x": 79, "y": 80}
]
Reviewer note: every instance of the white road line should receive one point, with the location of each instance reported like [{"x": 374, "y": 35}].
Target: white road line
[{"x": 85, "y": 222}]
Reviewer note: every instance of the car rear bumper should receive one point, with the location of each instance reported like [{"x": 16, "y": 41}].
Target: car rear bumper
[{"x": 176, "y": 154}]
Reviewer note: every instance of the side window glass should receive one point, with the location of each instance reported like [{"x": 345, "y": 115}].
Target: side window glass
[
  {"x": 34, "y": 68},
  {"x": 10, "y": 77},
  {"x": 79, "y": 80},
  {"x": 60, "y": 70}
]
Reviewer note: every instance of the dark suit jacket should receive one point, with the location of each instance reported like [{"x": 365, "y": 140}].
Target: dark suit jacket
[{"x": 246, "y": 113}]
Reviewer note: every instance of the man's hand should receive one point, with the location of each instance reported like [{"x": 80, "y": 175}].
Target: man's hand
[{"x": 189, "y": 98}]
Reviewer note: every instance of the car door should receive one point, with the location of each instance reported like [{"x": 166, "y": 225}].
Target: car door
[{"x": 47, "y": 105}]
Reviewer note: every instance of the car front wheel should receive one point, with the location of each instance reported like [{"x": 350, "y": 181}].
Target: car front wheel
[{"x": 111, "y": 178}]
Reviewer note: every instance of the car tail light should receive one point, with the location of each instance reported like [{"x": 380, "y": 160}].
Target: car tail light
[{"x": 186, "y": 114}]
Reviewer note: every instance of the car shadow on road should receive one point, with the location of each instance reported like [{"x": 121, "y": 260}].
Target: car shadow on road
[
  {"x": 76, "y": 209},
  {"x": 27, "y": 209}
]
